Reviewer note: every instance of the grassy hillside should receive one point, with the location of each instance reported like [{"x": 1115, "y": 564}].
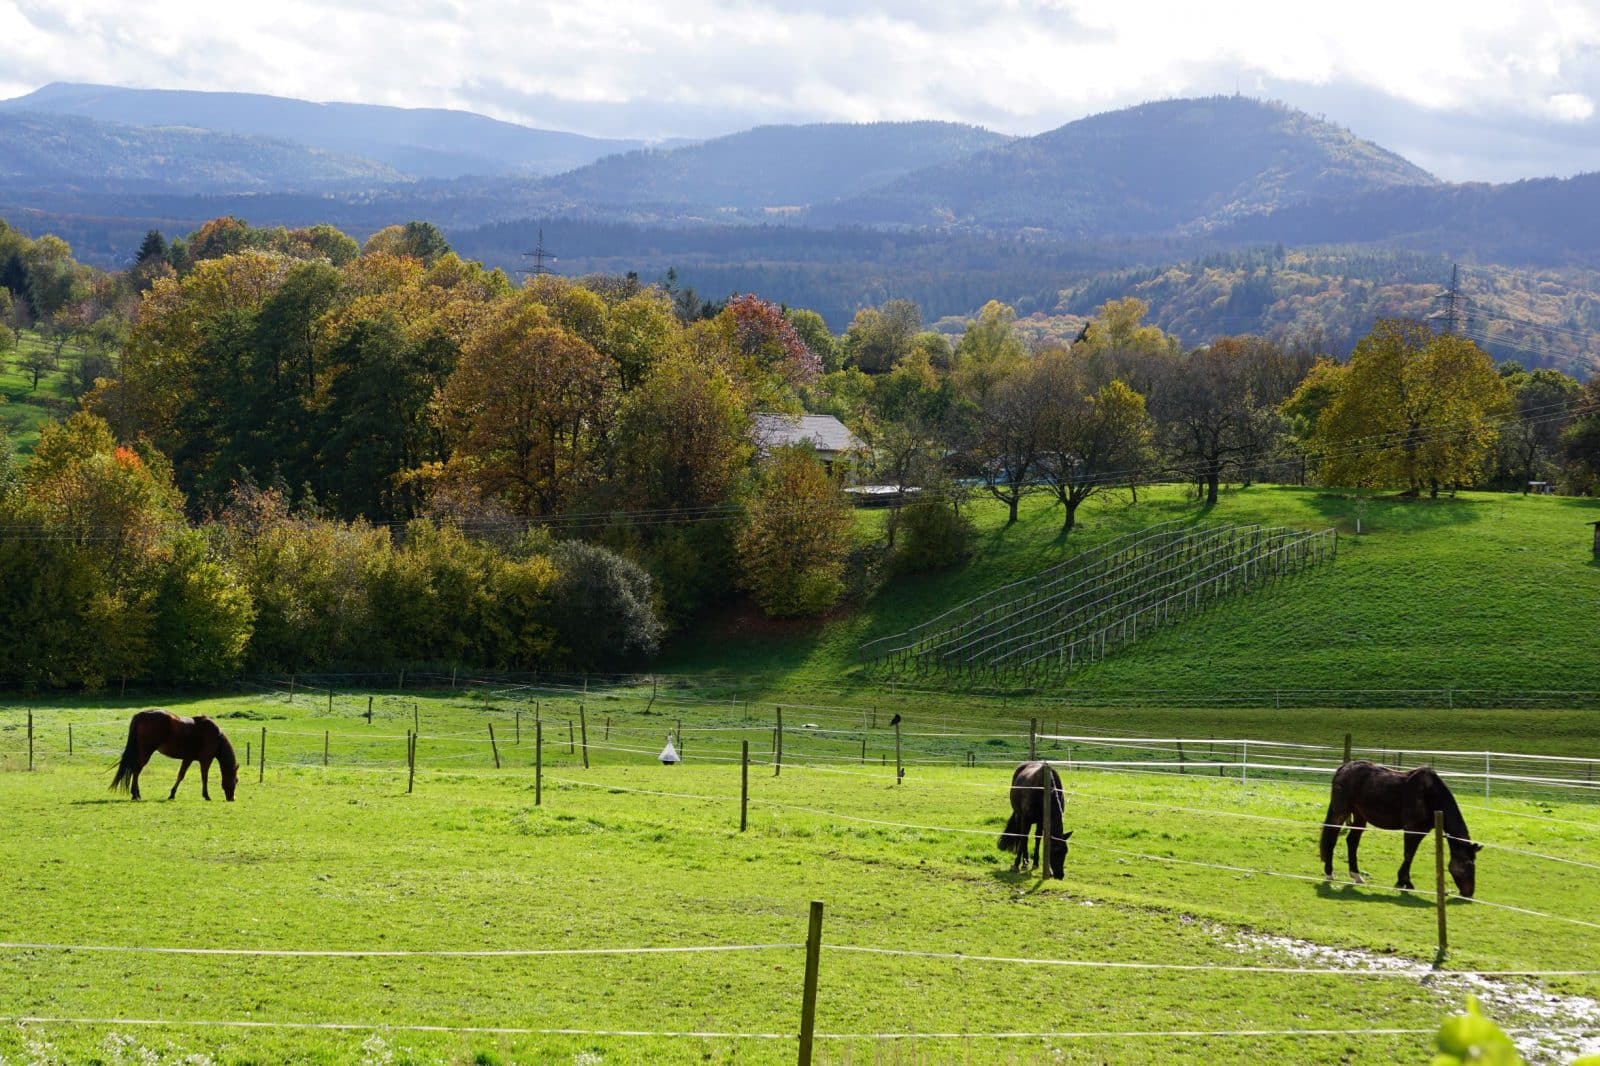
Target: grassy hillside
[
  {"x": 23, "y": 409},
  {"x": 1478, "y": 592}
]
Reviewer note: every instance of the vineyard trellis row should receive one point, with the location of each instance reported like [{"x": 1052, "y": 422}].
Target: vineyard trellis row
[{"x": 1079, "y": 611}]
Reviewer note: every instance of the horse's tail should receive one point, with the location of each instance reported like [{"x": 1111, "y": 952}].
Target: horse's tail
[
  {"x": 1015, "y": 837},
  {"x": 128, "y": 766}
]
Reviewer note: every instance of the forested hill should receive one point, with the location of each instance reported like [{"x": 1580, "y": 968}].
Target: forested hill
[
  {"x": 419, "y": 142},
  {"x": 1160, "y": 167},
  {"x": 57, "y": 150},
  {"x": 774, "y": 166},
  {"x": 1547, "y": 221}
]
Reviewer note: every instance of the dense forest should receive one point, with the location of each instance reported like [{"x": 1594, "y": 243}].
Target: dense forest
[{"x": 290, "y": 451}]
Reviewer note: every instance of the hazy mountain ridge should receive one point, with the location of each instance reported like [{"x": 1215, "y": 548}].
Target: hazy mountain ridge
[
  {"x": 40, "y": 148},
  {"x": 773, "y": 166},
  {"x": 419, "y": 142},
  {"x": 1173, "y": 166}
]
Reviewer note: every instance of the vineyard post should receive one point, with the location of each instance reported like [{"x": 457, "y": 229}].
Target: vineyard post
[
  {"x": 808, "y": 1002},
  {"x": 1438, "y": 869},
  {"x": 744, "y": 787},
  {"x": 494, "y": 747},
  {"x": 261, "y": 767}
]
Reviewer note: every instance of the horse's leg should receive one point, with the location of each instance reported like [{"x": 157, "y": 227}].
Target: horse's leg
[
  {"x": 1332, "y": 822},
  {"x": 144, "y": 760},
  {"x": 183, "y": 768},
  {"x": 205, "y": 779},
  {"x": 1353, "y": 842},
  {"x": 1403, "y": 878}
]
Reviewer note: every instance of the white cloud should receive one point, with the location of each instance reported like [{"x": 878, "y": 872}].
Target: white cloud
[
  {"x": 698, "y": 67},
  {"x": 1570, "y": 107}
]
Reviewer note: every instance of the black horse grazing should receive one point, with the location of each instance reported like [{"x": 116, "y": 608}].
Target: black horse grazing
[
  {"x": 1028, "y": 788},
  {"x": 177, "y": 738},
  {"x": 1365, "y": 792}
]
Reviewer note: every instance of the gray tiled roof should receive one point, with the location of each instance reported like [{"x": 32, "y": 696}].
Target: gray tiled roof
[{"x": 825, "y": 432}]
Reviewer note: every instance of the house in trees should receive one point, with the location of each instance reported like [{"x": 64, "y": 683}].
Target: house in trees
[{"x": 834, "y": 443}]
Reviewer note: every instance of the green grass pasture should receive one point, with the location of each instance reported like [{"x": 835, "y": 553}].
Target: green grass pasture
[{"x": 1212, "y": 873}]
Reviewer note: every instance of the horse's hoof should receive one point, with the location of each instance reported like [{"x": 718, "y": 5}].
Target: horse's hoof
[{"x": 1356, "y": 878}]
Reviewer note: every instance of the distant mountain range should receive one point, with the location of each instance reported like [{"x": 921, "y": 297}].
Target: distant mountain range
[
  {"x": 829, "y": 215},
  {"x": 81, "y": 153},
  {"x": 1174, "y": 166},
  {"x": 414, "y": 142}
]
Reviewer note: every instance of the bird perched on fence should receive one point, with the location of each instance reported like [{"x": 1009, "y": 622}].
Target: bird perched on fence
[
  {"x": 669, "y": 754},
  {"x": 895, "y": 720}
]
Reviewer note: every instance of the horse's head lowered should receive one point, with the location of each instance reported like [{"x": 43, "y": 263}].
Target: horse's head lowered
[
  {"x": 1463, "y": 866},
  {"x": 1058, "y": 855}
]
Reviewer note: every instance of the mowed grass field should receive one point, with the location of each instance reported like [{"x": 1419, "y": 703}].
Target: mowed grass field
[
  {"x": 1195, "y": 871},
  {"x": 26, "y": 408},
  {"x": 1484, "y": 591}
]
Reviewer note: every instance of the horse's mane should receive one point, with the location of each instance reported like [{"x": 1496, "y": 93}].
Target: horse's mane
[
  {"x": 225, "y": 755},
  {"x": 1455, "y": 826}
]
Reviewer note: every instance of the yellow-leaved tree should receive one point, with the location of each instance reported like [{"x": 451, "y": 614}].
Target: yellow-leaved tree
[{"x": 1413, "y": 410}]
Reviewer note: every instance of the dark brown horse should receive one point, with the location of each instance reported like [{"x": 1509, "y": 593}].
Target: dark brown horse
[
  {"x": 1365, "y": 792},
  {"x": 1029, "y": 785},
  {"x": 176, "y": 737}
]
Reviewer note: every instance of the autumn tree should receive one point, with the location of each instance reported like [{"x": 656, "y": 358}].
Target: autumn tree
[
  {"x": 1090, "y": 439},
  {"x": 1416, "y": 410},
  {"x": 1009, "y": 437},
  {"x": 524, "y": 409},
  {"x": 879, "y": 337},
  {"x": 795, "y": 536}
]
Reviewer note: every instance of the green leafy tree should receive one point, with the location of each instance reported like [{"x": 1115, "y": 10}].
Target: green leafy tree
[
  {"x": 795, "y": 536},
  {"x": 1090, "y": 440},
  {"x": 601, "y": 605},
  {"x": 880, "y": 337},
  {"x": 817, "y": 337},
  {"x": 1416, "y": 411}
]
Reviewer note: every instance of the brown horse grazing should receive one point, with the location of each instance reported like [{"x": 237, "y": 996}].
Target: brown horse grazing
[
  {"x": 177, "y": 738},
  {"x": 1028, "y": 786},
  {"x": 1365, "y": 792}
]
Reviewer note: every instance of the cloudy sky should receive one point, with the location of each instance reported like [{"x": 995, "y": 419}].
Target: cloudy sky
[{"x": 1472, "y": 90}]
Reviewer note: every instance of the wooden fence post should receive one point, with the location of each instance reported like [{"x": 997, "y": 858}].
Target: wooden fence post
[
  {"x": 69, "y": 738},
  {"x": 1033, "y": 739},
  {"x": 777, "y": 746},
  {"x": 261, "y": 766},
  {"x": 1347, "y": 747},
  {"x": 899, "y": 766},
  {"x": 247, "y": 753},
  {"x": 30, "y": 738},
  {"x": 608, "y": 727},
  {"x": 1046, "y": 826},
  {"x": 411, "y": 761},
  {"x": 330, "y": 699},
  {"x": 572, "y": 744},
  {"x": 808, "y": 1001},
  {"x": 583, "y": 722},
  {"x": 744, "y": 787},
  {"x": 1438, "y": 869},
  {"x": 416, "y": 718},
  {"x": 863, "y": 749},
  {"x": 517, "y": 736},
  {"x": 324, "y": 749},
  {"x": 494, "y": 747},
  {"x": 369, "y": 710},
  {"x": 538, "y": 762},
  {"x": 678, "y": 736},
  {"x": 1181, "y": 768}
]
